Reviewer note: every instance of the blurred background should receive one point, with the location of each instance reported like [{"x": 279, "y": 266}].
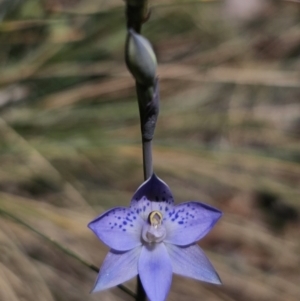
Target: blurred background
[{"x": 228, "y": 134}]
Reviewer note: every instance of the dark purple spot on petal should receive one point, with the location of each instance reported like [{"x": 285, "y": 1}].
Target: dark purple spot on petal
[{"x": 180, "y": 223}]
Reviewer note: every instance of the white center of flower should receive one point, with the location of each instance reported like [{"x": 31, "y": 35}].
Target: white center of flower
[{"x": 154, "y": 231}]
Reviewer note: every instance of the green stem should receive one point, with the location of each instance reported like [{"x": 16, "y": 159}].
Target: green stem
[{"x": 62, "y": 248}]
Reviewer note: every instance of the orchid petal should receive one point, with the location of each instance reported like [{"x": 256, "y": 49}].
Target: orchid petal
[
  {"x": 192, "y": 262},
  {"x": 119, "y": 228},
  {"x": 189, "y": 222},
  {"x": 117, "y": 267},
  {"x": 153, "y": 194},
  {"x": 155, "y": 271}
]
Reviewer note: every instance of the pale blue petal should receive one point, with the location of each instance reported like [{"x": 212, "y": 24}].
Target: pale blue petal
[
  {"x": 155, "y": 270},
  {"x": 117, "y": 268},
  {"x": 153, "y": 194},
  {"x": 192, "y": 262},
  {"x": 189, "y": 222},
  {"x": 119, "y": 228}
]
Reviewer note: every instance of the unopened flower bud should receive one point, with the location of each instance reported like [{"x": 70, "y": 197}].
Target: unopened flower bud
[{"x": 140, "y": 58}]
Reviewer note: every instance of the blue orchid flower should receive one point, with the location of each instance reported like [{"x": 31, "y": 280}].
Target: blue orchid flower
[{"x": 155, "y": 238}]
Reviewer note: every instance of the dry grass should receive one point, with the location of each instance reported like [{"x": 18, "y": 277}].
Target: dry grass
[{"x": 228, "y": 134}]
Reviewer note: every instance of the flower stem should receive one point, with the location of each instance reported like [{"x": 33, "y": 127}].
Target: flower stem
[
  {"x": 136, "y": 14},
  {"x": 62, "y": 248},
  {"x": 147, "y": 159},
  {"x": 140, "y": 292}
]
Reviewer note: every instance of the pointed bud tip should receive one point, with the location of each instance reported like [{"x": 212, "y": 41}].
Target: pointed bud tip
[{"x": 140, "y": 58}]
